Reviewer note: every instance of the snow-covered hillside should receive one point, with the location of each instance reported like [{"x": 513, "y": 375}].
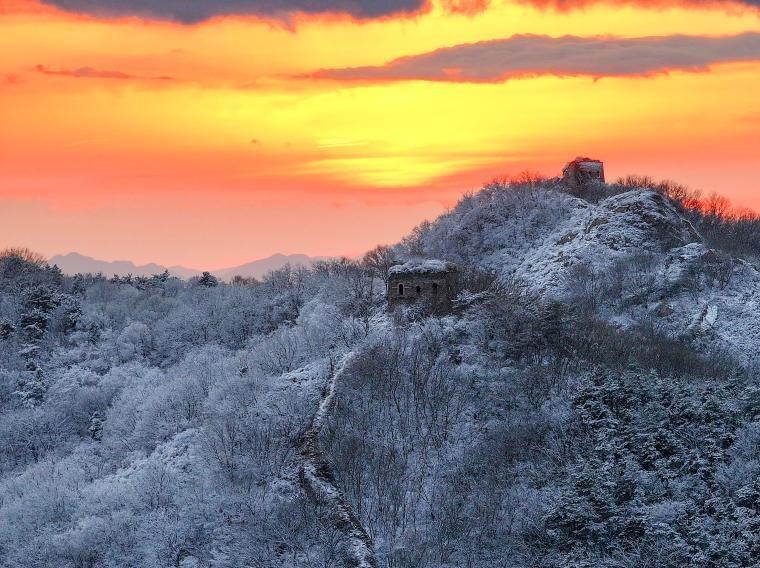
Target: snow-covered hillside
[
  {"x": 592, "y": 399},
  {"x": 634, "y": 250}
]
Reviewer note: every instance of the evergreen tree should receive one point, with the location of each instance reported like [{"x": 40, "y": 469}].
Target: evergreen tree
[
  {"x": 31, "y": 385},
  {"x": 208, "y": 280}
]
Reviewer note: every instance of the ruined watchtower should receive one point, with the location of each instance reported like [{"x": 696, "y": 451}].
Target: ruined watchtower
[
  {"x": 582, "y": 170},
  {"x": 429, "y": 283}
]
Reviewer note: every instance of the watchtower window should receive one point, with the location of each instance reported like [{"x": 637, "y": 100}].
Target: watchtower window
[
  {"x": 400, "y": 289},
  {"x": 418, "y": 290},
  {"x": 435, "y": 287}
]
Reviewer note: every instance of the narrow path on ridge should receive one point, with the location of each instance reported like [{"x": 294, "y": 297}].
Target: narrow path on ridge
[{"x": 318, "y": 480}]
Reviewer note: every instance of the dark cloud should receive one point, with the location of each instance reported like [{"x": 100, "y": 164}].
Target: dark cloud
[
  {"x": 532, "y": 55},
  {"x": 191, "y": 11},
  {"x": 91, "y": 73}
]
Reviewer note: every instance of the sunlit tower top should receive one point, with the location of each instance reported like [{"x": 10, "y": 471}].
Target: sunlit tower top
[{"x": 582, "y": 170}]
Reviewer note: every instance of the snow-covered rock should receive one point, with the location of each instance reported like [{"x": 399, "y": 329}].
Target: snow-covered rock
[
  {"x": 599, "y": 235},
  {"x": 548, "y": 239}
]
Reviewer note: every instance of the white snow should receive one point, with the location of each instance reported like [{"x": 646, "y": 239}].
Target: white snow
[
  {"x": 427, "y": 266},
  {"x": 321, "y": 487},
  {"x": 539, "y": 239}
]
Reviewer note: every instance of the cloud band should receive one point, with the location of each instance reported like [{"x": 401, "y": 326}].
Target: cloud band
[
  {"x": 533, "y": 55},
  {"x": 192, "y": 11}
]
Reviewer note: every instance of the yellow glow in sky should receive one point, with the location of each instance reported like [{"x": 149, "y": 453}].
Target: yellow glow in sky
[{"x": 136, "y": 120}]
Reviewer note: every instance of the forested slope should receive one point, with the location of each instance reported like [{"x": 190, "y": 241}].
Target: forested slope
[{"x": 591, "y": 400}]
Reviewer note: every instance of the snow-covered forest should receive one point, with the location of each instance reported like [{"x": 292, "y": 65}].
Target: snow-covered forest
[{"x": 591, "y": 399}]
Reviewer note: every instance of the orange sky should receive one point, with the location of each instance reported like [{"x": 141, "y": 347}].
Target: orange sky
[{"x": 216, "y": 142}]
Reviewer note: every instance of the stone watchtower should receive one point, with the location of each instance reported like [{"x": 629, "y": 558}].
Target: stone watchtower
[
  {"x": 428, "y": 283},
  {"x": 582, "y": 170}
]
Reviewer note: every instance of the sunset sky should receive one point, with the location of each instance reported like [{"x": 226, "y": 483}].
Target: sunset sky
[{"x": 210, "y": 133}]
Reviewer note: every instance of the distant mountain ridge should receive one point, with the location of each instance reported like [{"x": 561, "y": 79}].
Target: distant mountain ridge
[
  {"x": 260, "y": 267},
  {"x": 74, "y": 263}
]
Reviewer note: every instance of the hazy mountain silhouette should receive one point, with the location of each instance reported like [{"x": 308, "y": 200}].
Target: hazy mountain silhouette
[
  {"x": 74, "y": 263},
  {"x": 259, "y": 268}
]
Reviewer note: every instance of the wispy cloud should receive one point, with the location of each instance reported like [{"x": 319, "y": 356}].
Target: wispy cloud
[
  {"x": 567, "y": 5},
  {"x": 533, "y": 55},
  {"x": 12, "y": 79},
  {"x": 323, "y": 143},
  {"x": 92, "y": 73}
]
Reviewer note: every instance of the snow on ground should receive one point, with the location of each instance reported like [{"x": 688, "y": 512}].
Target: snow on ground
[
  {"x": 598, "y": 235},
  {"x": 428, "y": 266},
  {"x": 318, "y": 479},
  {"x": 548, "y": 239}
]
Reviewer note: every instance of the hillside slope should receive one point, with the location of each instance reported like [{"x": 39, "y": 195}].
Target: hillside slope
[
  {"x": 633, "y": 253},
  {"x": 591, "y": 400}
]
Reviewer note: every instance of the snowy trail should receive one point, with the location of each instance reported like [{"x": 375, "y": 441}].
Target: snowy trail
[{"x": 318, "y": 481}]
